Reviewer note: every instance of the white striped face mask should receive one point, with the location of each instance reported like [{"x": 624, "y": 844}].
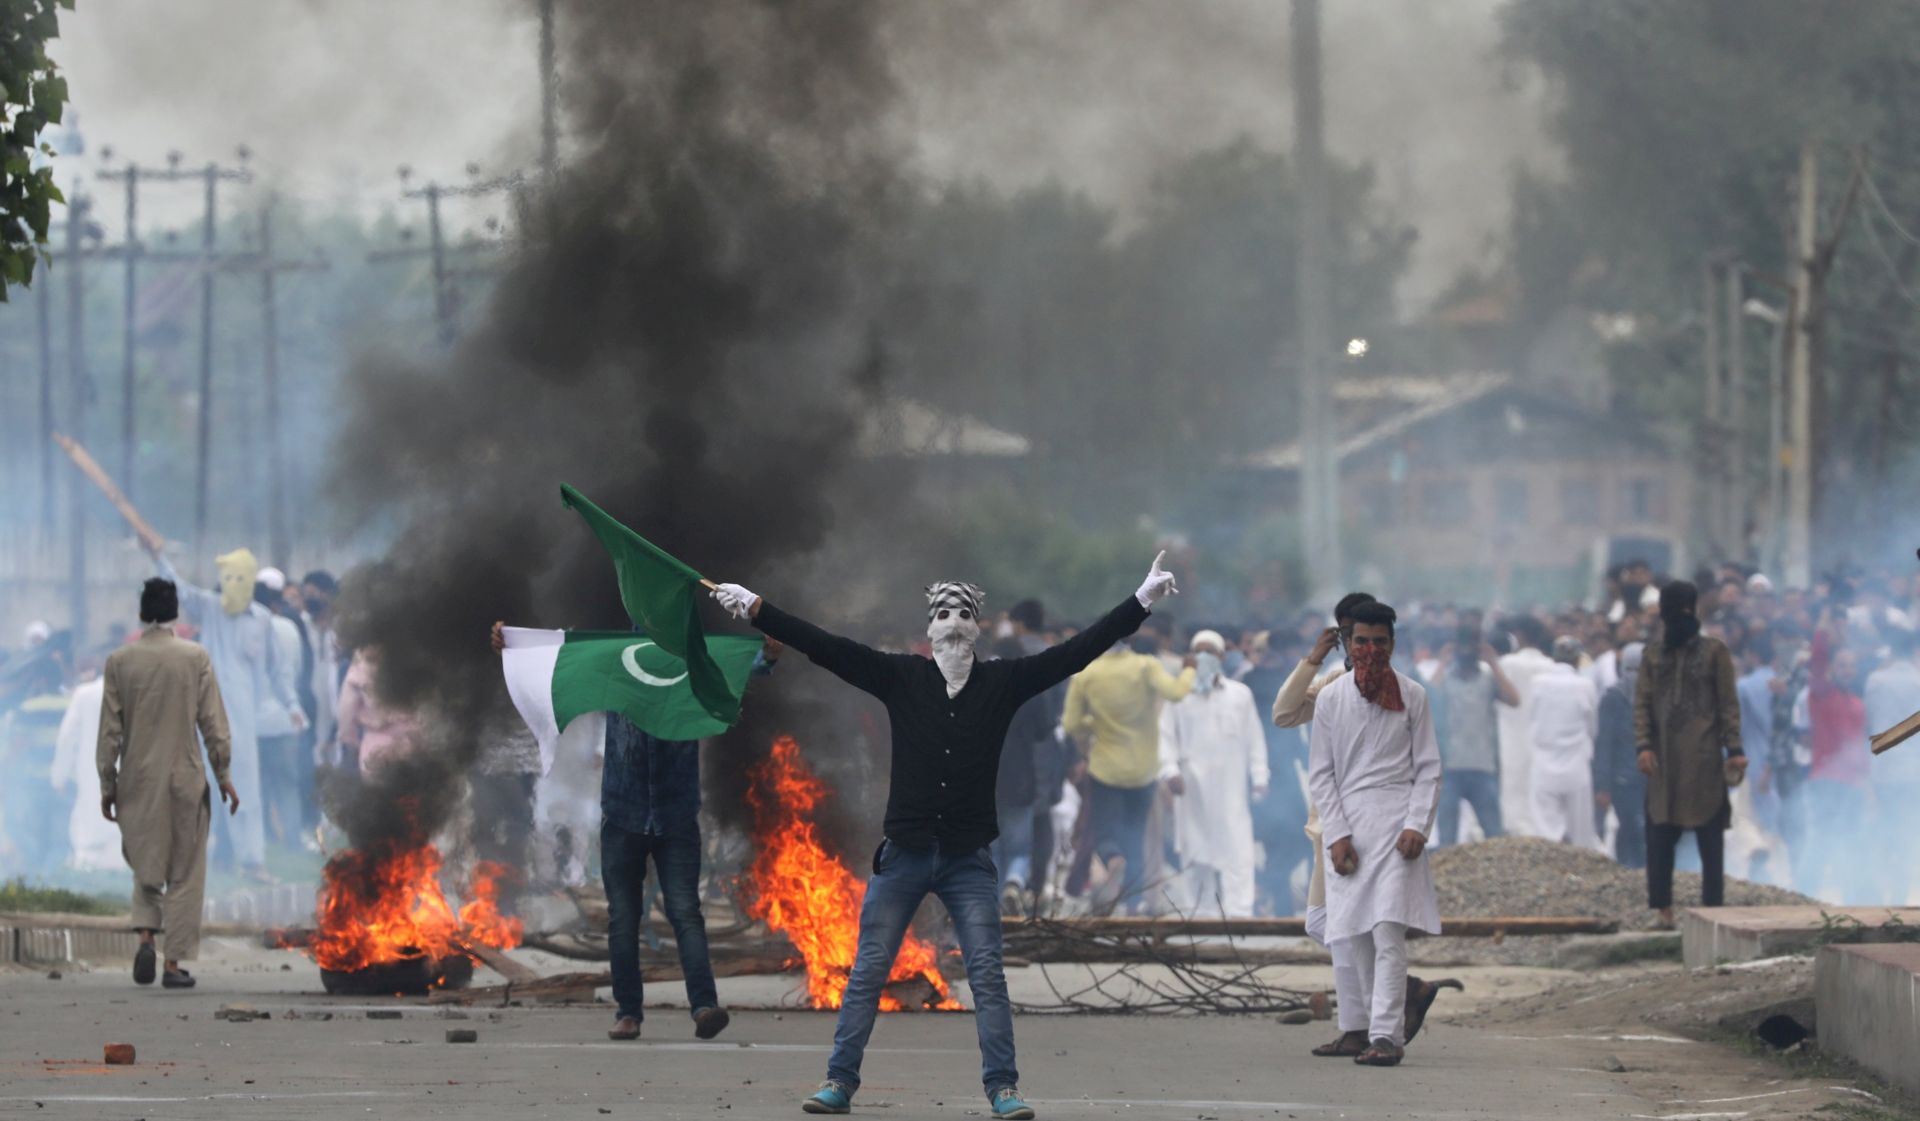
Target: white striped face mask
[{"x": 953, "y": 626}]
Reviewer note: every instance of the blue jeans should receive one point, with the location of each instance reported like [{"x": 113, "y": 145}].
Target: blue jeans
[
  {"x": 969, "y": 885},
  {"x": 623, "y": 869},
  {"x": 1479, "y": 789}
]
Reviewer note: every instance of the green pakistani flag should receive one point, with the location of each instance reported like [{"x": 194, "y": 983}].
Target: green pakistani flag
[
  {"x": 658, "y": 593},
  {"x": 555, "y": 676}
]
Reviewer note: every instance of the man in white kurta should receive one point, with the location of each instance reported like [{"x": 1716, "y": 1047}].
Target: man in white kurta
[
  {"x": 1564, "y": 722},
  {"x": 95, "y": 841},
  {"x": 1293, "y": 708},
  {"x": 1213, "y": 758},
  {"x": 1375, "y": 777},
  {"x": 1527, "y": 662}
]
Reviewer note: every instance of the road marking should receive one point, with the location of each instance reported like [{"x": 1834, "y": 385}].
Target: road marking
[
  {"x": 1601, "y": 1038},
  {"x": 116, "y": 1098},
  {"x": 1178, "y": 1103},
  {"x": 1747, "y": 1098},
  {"x": 718, "y": 1048}
]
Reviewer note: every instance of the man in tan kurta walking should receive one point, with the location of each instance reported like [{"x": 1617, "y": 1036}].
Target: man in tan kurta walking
[{"x": 160, "y": 692}]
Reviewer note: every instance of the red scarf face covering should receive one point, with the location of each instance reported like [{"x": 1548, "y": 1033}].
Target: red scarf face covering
[{"x": 1373, "y": 675}]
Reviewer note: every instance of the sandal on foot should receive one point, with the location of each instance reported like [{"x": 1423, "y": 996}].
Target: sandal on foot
[
  {"x": 1381, "y": 1054},
  {"x": 1347, "y": 1046}
]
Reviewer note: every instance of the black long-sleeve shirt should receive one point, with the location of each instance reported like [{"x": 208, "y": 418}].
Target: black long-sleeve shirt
[{"x": 946, "y": 750}]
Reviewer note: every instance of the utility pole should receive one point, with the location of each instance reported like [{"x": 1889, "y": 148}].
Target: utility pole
[
  {"x": 442, "y": 299},
  {"x": 43, "y": 315},
  {"x": 278, "y": 545},
  {"x": 437, "y": 249},
  {"x": 1800, "y": 378},
  {"x": 1711, "y": 433},
  {"x": 210, "y": 177},
  {"x": 549, "y": 97},
  {"x": 212, "y": 174},
  {"x": 279, "y": 539},
  {"x": 1736, "y": 412},
  {"x": 1813, "y": 262},
  {"x": 1319, "y": 470},
  {"x": 1772, "y": 540},
  {"x": 129, "y": 478},
  {"x": 77, "y": 207}
]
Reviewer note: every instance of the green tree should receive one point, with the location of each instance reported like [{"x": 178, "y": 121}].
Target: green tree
[
  {"x": 1682, "y": 124},
  {"x": 1139, "y": 351},
  {"x": 32, "y": 96}
]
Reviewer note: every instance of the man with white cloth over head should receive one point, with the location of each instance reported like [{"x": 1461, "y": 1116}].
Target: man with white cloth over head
[
  {"x": 1213, "y": 753},
  {"x": 1375, "y": 776},
  {"x": 1565, "y": 720}
]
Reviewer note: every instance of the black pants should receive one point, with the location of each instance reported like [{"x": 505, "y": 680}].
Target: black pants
[{"x": 1661, "y": 842}]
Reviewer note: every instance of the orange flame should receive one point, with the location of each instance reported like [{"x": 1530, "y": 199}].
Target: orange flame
[
  {"x": 385, "y": 905},
  {"x": 800, "y": 890}
]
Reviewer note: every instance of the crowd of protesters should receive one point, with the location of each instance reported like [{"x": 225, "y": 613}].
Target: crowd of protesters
[
  {"x": 1577, "y": 725},
  {"x": 1154, "y": 781}
]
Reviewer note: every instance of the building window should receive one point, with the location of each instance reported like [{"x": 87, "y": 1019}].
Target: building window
[
  {"x": 1646, "y": 500},
  {"x": 1510, "y": 501},
  {"x": 1445, "y": 503},
  {"x": 1580, "y": 502}
]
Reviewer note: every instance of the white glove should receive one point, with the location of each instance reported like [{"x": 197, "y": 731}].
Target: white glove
[
  {"x": 1159, "y": 584},
  {"x": 737, "y": 600}
]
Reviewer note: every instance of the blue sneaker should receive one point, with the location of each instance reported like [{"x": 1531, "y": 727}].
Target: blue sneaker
[
  {"x": 1007, "y": 1103},
  {"x": 832, "y": 1097}
]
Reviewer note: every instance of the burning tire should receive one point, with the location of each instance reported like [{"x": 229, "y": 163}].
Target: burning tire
[{"x": 409, "y": 976}]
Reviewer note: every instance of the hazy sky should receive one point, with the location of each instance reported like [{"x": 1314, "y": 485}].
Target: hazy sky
[{"x": 334, "y": 95}]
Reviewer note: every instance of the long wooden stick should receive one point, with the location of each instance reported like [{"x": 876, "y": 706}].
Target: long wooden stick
[
  {"x": 1896, "y": 735},
  {"x": 149, "y": 536}
]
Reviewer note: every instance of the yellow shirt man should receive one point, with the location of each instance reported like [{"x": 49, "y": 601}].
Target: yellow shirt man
[{"x": 1115, "y": 703}]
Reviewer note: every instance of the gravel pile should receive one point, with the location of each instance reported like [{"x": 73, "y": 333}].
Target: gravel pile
[{"x": 1528, "y": 876}]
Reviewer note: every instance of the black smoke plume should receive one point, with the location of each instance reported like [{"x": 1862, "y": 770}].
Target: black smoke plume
[{"x": 688, "y": 336}]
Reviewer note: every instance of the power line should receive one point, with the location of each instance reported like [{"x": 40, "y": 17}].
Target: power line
[
  {"x": 437, "y": 249},
  {"x": 1880, "y": 200},
  {"x": 1893, "y": 270}
]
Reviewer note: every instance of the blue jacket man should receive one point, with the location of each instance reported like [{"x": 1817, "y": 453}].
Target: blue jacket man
[{"x": 650, "y": 808}]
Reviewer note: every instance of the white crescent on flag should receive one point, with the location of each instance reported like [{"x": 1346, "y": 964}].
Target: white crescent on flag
[{"x": 632, "y": 664}]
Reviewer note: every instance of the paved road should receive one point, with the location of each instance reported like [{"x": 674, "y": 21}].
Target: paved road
[{"x": 557, "y": 1063}]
